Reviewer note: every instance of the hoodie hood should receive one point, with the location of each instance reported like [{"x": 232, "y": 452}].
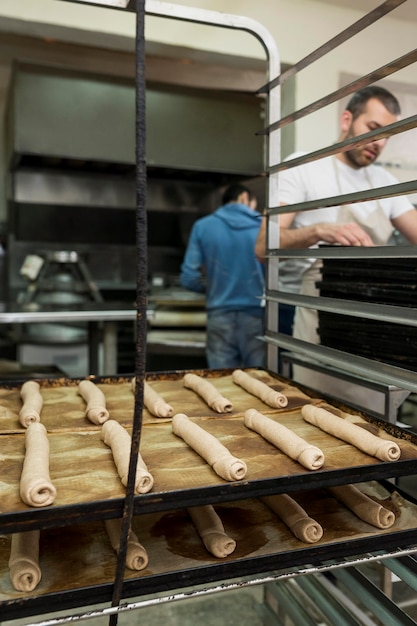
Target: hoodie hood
[{"x": 238, "y": 216}]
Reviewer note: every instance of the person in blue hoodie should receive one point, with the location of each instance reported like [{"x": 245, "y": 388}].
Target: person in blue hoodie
[{"x": 220, "y": 261}]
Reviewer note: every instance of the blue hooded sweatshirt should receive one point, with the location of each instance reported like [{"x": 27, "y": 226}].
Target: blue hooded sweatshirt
[{"x": 220, "y": 260}]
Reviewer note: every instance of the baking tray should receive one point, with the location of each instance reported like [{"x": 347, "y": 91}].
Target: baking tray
[
  {"x": 178, "y": 558},
  {"x": 83, "y": 471}
]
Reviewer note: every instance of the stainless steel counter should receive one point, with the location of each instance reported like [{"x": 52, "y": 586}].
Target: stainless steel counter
[{"x": 95, "y": 314}]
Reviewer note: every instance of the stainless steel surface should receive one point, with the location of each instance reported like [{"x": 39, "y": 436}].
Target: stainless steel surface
[
  {"x": 360, "y": 366},
  {"x": 35, "y": 313},
  {"x": 385, "y": 312},
  {"x": 46, "y": 186},
  {"x": 386, "y": 398},
  {"x": 350, "y": 252},
  {"x": 93, "y": 313},
  {"x": 100, "y": 128}
]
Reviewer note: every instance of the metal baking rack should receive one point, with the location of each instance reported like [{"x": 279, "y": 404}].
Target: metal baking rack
[{"x": 254, "y": 571}]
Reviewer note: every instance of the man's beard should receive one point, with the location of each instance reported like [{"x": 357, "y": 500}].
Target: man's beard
[{"x": 360, "y": 157}]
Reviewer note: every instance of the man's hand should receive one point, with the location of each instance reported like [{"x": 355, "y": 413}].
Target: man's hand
[{"x": 350, "y": 234}]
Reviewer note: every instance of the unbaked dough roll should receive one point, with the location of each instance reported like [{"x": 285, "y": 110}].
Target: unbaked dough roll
[
  {"x": 24, "y": 569},
  {"x": 259, "y": 389},
  {"x": 96, "y": 402},
  {"x": 295, "y": 517},
  {"x": 136, "y": 555},
  {"x": 210, "y": 528},
  {"x": 208, "y": 392},
  {"x": 118, "y": 439},
  {"x": 36, "y": 488},
  {"x": 209, "y": 448},
  {"x": 363, "y": 506},
  {"x": 351, "y": 433},
  {"x": 32, "y": 403},
  {"x": 285, "y": 439},
  {"x": 155, "y": 404}
]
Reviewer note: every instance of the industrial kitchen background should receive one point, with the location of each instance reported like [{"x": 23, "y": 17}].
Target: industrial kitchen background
[{"x": 70, "y": 232}]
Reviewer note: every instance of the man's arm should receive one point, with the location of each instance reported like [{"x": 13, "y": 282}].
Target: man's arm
[
  {"x": 350, "y": 234},
  {"x": 191, "y": 276},
  {"x": 407, "y": 225}
]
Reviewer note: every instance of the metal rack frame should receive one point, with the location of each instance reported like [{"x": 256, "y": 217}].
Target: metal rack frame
[
  {"x": 274, "y": 340},
  {"x": 329, "y": 358}
]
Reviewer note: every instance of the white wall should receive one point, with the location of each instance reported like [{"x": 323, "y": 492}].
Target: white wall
[{"x": 298, "y": 26}]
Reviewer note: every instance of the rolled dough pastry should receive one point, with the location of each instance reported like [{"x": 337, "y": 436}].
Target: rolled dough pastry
[
  {"x": 209, "y": 448},
  {"x": 36, "y": 488},
  {"x": 153, "y": 401},
  {"x": 24, "y": 569},
  {"x": 118, "y": 439},
  {"x": 363, "y": 506},
  {"x": 351, "y": 433},
  {"x": 96, "y": 402},
  {"x": 210, "y": 528},
  {"x": 32, "y": 403},
  {"x": 208, "y": 392},
  {"x": 285, "y": 439},
  {"x": 295, "y": 517},
  {"x": 259, "y": 389},
  {"x": 136, "y": 555}
]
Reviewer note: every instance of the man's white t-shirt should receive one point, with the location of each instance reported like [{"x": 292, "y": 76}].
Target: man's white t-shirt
[
  {"x": 323, "y": 179},
  {"x": 330, "y": 177}
]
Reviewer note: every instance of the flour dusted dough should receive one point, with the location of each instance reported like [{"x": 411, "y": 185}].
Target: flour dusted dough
[
  {"x": 36, "y": 488},
  {"x": 153, "y": 401},
  {"x": 32, "y": 403},
  {"x": 285, "y": 439},
  {"x": 96, "y": 402},
  {"x": 209, "y": 448},
  {"x": 24, "y": 569},
  {"x": 363, "y": 506},
  {"x": 259, "y": 389},
  {"x": 210, "y": 528},
  {"x": 295, "y": 517},
  {"x": 359, "y": 437},
  {"x": 136, "y": 555},
  {"x": 118, "y": 439},
  {"x": 208, "y": 392}
]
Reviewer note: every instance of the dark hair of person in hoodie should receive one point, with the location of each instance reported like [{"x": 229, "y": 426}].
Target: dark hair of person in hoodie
[{"x": 233, "y": 192}]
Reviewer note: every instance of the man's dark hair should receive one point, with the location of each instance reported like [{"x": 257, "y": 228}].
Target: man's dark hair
[
  {"x": 357, "y": 103},
  {"x": 232, "y": 193}
]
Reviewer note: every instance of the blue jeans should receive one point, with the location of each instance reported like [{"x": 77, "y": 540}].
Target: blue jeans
[{"x": 232, "y": 340}]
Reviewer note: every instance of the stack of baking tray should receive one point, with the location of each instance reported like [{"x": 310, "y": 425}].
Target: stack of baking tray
[
  {"x": 381, "y": 281},
  {"x": 77, "y": 561}
]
